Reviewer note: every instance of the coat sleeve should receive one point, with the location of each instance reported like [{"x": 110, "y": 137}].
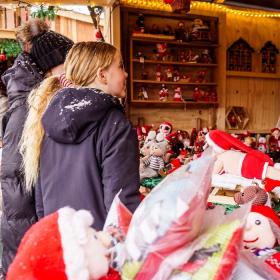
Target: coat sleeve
[
  {"x": 120, "y": 162},
  {"x": 39, "y": 200}
]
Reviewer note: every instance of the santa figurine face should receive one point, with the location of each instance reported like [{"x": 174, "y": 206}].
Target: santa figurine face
[
  {"x": 165, "y": 128},
  {"x": 258, "y": 233}
]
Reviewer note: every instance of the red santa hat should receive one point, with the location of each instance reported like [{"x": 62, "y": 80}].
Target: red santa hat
[
  {"x": 268, "y": 212},
  {"x": 222, "y": 141},
  {"x": 274, "y": 129},
  {"x": 55, "y": 248},
  {"x": 168, "y": 124}
]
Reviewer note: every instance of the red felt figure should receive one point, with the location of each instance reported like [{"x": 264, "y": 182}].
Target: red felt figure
[
  {"x": 184, "y": 138},
  {"x": 175, "y": 164},
  {"x": 201, "y": 76},
  {"x": 274, "y": 140},
  {"x": 169, "y": 74},
  {"x": 161, "y": 51},
  {"x": 163, "y": 93},
  {"x": 213, "y": 95},
  {"x": 262, "y": 146},
  {"x": 178, "y": 94},
  {"x": 158, "y": 73},
  {"x": 197, "y": 94}
]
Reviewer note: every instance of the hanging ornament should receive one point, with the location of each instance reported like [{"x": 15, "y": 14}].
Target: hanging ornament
[{"x": 3, "y": 57}]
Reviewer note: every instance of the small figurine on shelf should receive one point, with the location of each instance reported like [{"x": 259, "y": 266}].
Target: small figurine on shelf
[
  {"x": 201, "y": 76},
  {"x": 158, "y": 73},
  {"x": 197, "y": 94},
  {"x": 213, "y": 95},
  {"x": 144, "y": 74},
  {"x": 186, "y": 77},
  {"x": 140, "y": 56},
  {"x": 200, "y": 31},
  {"x": 163, "y": 93},
  {"x": 262, "y": 146},
  {"x": 274, "y": 140},
  {"x": 161, "y": 51},
  {"x": 169, "y": 74},
  {"x": 176, "y": 75},
  {"x": 167, "y": 30},
  {"x": 182, "y": 56},
  {"x": 205, "y": 56},
  {"x": 155, "y": 29},
  {"x": 191, "y": 57},
  {"x": 178, "y": 94},
  {"x": 181, "y": 34},
  {"x": 140, "y": 26},
  {"x": 142, "y": 94}
]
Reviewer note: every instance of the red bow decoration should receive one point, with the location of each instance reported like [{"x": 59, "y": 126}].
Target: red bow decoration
[{"x": 179, "y": 5}]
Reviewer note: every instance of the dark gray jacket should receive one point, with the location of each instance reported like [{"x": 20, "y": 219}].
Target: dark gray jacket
[
  {"x": 18, "y": 207},
  {"x": 88, "y": 154}
]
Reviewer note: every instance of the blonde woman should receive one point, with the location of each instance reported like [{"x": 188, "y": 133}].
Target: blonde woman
[
  {"x": 80, "y": 150},
  {"x": 26, "y": 73}
]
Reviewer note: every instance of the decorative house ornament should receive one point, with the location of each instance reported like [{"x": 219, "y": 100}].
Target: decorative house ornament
[
  {"x": 268, "y": 57},
  {"x": 237, "y": 117},
  {"x": 239, "y": 56}
]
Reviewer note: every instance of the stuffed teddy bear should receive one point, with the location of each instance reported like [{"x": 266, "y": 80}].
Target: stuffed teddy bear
[
  {"x": 153, "y": 163},
  {"x": 234, "y": 157},
  {"x": 62, "y": 246}
]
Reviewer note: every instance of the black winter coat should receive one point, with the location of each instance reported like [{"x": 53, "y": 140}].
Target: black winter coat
[
  {"x": 18, "y": 206},
  {"x": 88, "y": 154}
]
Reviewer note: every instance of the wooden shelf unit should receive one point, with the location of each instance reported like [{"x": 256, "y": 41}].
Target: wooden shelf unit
[
  {"x": 183, "y": 114},
  {"x": 255, "y": 75}
]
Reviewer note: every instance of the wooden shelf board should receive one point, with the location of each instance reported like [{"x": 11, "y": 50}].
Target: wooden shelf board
[
  {"x": 176, "y": 63},
  {"x": 163, "y": 103},
  {"x": 252, "y": 75},
  {"x": 203, "y": 44},
  {"x": 7, "y": 34},
  {"x": 240, "y": 131},
  {"x": 173, "y": 83}
]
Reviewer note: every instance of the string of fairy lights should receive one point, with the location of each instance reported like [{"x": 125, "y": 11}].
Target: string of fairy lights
[{"x": 161, "y": 6}]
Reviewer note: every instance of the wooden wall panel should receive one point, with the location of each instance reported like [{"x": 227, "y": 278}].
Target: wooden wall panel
[
  {"x": 84, "y": 31},
  {"x": 261, "y": 96}
]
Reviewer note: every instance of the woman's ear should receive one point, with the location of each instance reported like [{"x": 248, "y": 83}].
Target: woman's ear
[{"x": 101, "y": 75}]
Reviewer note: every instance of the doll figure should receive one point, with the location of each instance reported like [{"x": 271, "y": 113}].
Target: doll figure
[
  {"x": 205, "y": 56},
  {"x": 153, "y": 163},
  {"x": 182, "y": 56},
  {"x": 140, "y": 26},
  {"x": 178, "y": 94},
  {"x": 163, "y": 93},
  {"x": 142, "y": 94},
  {"x": 176, "y": 75},
  {"x": 169, "y": 74},
  {"x": 201, "y": 77},
  {"x": 158, "y": 73},
  {"x": 262, "y": 228},
  {"x": 274, "y": 140},
  {"x": 197, "y": 94},
  {"x": 161, "y": 51},
  {"x": 181, "y": 35},
  {"x": 165, "y": 128},
  {"x": 67, "y": 248},
  {"x": 262, "y": 146}
]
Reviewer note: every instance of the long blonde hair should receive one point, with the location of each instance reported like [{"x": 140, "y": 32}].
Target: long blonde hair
[{"x": 81, "y": 65}]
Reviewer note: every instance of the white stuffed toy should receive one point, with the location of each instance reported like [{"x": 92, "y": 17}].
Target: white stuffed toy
[{"x": 62, "y": 246}]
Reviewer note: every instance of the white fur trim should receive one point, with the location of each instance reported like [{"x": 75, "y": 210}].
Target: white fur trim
[
  {"x": 240, "y": 163},
  {"x": 73, "y": 236},
  {"x": 212, "y": 144},
  {"x": 264, "y": 170}
]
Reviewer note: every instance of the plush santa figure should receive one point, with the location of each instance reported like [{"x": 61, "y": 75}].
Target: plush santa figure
[
  {"x": 165, "y": 128},
  {"x": 178, "y": 94},
  {"x": 234, "y": 157},
  {"x": 63, "y": 246}
]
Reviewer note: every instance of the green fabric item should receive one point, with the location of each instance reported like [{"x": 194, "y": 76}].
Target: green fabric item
[
  {"x": 151, "y": 182},
  {"x": 228, "y": 207}
]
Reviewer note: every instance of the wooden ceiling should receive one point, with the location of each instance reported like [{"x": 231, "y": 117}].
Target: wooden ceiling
[
  {"x": 61, "y": 2},
  {"x": 258, "y": 4}
]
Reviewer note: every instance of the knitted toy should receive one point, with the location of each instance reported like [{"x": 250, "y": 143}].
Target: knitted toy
[
  {"x": 236, "y": 158},
  {"x": 62, "y": 246},
  {"x": 150, "y": 165}
]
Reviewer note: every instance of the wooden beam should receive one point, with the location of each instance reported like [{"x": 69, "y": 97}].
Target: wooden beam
[
  {"x": 7, "y": 33},
  {"x": 63, "y": 2}
]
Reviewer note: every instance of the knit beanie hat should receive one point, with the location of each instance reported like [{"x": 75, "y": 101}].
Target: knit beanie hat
[{"x": 49, "y": 49}]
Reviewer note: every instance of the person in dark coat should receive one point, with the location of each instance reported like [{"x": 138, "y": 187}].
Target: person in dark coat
[
  {"x": 89, "y": 151},
  {"x": 18, "y": 205}
]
